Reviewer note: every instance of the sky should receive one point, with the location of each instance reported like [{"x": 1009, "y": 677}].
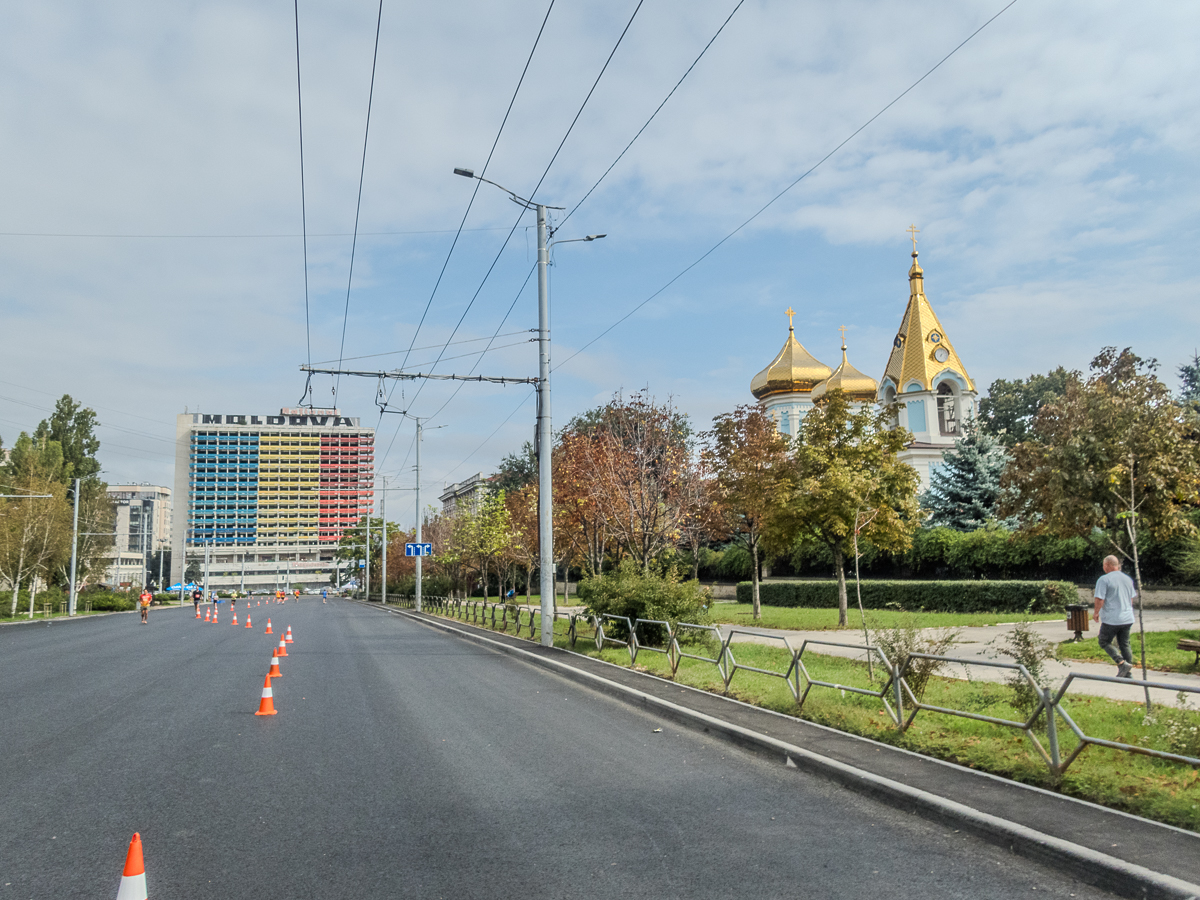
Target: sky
[{"x": 151, "y": 258}]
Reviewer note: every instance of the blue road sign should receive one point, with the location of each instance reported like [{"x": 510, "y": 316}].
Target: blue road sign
[{"x": 418, "y": 549}]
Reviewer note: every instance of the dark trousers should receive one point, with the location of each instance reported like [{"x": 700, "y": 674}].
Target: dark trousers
[{"x": 1121, "y": 634}]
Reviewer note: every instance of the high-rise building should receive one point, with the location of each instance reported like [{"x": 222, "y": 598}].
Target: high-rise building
[
  {"x": 142, "y": 528},
  {"x": 269, "y": 496}
]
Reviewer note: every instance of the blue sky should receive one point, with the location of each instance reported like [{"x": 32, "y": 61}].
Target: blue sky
[{"x": 1049, "y": 164}]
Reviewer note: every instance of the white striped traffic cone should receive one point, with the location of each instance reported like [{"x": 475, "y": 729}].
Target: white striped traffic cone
[{"x": 133, "y": 879}]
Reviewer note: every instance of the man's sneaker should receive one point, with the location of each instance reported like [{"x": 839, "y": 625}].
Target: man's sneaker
[{"x": 1124, "y": 670}]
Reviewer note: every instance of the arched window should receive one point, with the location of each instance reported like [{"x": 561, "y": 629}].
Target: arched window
[{"x": 947, "y": 405}]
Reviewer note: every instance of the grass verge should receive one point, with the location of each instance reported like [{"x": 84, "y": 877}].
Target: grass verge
[
  {"x": 1156, "y": 789},
  {"x": 1161, "y": 654}
]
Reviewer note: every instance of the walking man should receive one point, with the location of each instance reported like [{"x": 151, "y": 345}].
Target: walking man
[
  {"x": 1114, "y": 611},
  {"x": 144, "y": 600},
  {"x": 196, "y": 598}
]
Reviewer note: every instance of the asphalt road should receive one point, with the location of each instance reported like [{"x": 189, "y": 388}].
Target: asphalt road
[{"x": 404, "y": 763}]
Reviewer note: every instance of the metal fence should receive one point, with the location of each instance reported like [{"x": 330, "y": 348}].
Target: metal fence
[{"x": 683, "y": 640}]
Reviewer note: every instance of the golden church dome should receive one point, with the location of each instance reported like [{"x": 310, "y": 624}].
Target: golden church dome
[
  {"x": 849, "y": 380},
  {"x": 793, "y": 370}
]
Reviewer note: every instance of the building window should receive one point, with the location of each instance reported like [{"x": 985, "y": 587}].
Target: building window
[{"x": 947, "y": 410}]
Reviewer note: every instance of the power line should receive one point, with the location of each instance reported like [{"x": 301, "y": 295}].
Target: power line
[
  {"x": 429, "y": 347},
  {"x": 457, "y": 234},
  {"x": 771, "y": 202},
  {"x": 319, "y": 234},
  {"x": 670, "y": 94},
  {"x": 463, "y": 461},
  {"x": 487, "y": 162},
  {"x": 358, "y": 205},
  {"x": 303, "y": 199},
  {"x": 546, "y": 172}
]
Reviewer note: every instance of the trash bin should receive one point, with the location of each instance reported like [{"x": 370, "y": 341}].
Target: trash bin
[{"x": 1078, "y": 616}]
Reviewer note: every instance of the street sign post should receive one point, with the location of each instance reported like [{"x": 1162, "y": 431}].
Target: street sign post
[{"x": 418, "y": 549}]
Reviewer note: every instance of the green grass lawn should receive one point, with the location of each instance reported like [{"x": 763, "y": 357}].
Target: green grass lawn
[
  {"x": 1156, "y": 789},
  {"x": 826, "y": 619},
  {"x": 1161, "y": 654}
]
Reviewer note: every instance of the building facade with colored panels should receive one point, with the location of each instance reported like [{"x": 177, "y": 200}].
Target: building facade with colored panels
[{"x": 269, "y": 496}]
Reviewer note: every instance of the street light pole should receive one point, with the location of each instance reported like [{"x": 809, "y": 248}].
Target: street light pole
[
  {"x": 545, "y": 438},
  {"x": 418, "y": 535},
  {"x": 383, "y": 550},
  {"x": 544, "y": 432},
  {"x": 74, "y": 551}
]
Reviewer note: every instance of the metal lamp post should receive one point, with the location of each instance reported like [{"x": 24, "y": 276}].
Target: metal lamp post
[{"x": 545, "y": 437}]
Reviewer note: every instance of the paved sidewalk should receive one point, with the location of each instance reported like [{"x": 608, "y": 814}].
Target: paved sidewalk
[{"x": 982, "y": 643}]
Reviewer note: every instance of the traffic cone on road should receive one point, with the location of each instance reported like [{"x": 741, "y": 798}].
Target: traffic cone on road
[
  {"x": 266, "y": 706},
  {"x": 197, "y": 612},
  {"x": 207, "y": 617},
  {"x": 235, "y": 619},
  {"x": 133, "y": 879},
  {"x": 248, "y": 620},
  {"x": 215, "y": 611},
  {"x": 274, "y": 672},
  {"x": 288, "y": 637},
  {"x": 282, "y": 648},
  {"x": 268, "y": 631}
]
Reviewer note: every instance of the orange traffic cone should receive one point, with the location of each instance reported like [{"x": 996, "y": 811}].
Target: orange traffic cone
[
  {"x": 288, "y": 637},
  {"x": 266, "y": 706},
  {"x": 274, "y": 673},
  {"x": 282, "y": 648},
  {"x": 133, "y": 879},
  {"x": 207, "y": 617},
  {"x": 215, "y": 611},
  {"x": 268, "y": 631},
  {"x": 235, "y": 619},
  {"x": 197, "y": 612},
  {"x": 248, "y": 620}
]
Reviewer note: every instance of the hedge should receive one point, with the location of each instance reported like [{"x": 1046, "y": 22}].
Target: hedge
[{"x": 927, "y": 596}]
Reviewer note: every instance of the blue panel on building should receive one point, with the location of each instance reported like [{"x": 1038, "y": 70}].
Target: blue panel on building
[
  {"x": 916, "y": 415},
  {"x": 224, "y": 489}
]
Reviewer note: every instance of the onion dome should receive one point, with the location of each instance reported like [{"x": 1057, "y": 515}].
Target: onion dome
[
  {"x": 793, "y": 370},
  {"x": 853, "y": 383}
]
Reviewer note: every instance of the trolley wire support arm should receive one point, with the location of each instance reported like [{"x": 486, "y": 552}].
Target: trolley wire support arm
[{"x": 414, "y": 376}]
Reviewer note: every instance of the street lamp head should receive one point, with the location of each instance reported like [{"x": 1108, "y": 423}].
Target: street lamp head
[
  {"x": 465, "y": 173},
  {"x": 594, "y": 237}
]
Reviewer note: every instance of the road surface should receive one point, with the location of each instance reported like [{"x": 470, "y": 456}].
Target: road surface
[{"x": 406, "y": 763}]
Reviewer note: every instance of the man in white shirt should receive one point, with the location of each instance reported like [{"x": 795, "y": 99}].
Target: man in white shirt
[{"x": 1114, "y": 611}]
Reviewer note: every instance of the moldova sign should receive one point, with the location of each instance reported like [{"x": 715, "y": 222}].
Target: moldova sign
[{"x": 418, "y": 549}]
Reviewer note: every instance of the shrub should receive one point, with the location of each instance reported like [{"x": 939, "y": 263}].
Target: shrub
[
  {"x": 1181, "y": 726},
  {"x": 922, "y": 596},
  {"x": 1030, "y": 649},
  {"x": 628, "y": 591},
  {"x": 907, "y": 637},
  {"x": 431, "y": 586},
  {"x": 106, "y": 601}
]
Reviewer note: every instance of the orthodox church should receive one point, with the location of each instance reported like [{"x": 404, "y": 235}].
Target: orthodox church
[{"x": 924, "y": 381}]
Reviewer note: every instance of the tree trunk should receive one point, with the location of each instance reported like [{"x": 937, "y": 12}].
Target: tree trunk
[
  {"x": 485, "y": 581},
  {"x": 528, "y": 584},
  {"x": 839, "y": 563},
  {"x": 756, "y": 601}
]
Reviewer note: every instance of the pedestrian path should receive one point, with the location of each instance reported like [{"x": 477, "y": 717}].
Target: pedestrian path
[{"x": 983, "y": 643}]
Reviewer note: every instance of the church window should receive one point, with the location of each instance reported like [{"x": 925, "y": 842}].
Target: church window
[
  {"x": 916, "y": 415},
  {"x": 947, "y": 410},
  {"x": 785, "y": 422}
]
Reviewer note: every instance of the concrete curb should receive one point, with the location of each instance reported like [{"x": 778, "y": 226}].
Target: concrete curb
[{"x": 1089, "y": 866}]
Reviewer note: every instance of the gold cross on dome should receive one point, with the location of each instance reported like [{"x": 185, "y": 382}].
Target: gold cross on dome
[
  {"x": 913, "y": 231},
  {"x": 790, "y": 312},
  {"x": 842, "y": 329}
]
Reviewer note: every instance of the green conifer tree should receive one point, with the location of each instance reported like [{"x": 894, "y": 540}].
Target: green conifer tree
[{"x": 963, "y": 490}]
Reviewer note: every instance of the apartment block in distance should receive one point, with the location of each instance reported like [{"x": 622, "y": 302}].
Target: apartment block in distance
[{"x": 269, "y": 495}]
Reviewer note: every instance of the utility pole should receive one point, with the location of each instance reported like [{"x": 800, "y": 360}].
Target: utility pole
[
  {"x": 383, "y": 515},
  {"x": 206, "y": 546},
  {"x": 74, "y": 551},
  {"x": 545, "y": 438},
  {"x": 367, "y": 557},
  {"x": 418, "y": 563}
]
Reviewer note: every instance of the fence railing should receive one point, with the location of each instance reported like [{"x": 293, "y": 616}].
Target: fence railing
[{"x": 684, "y": 640}]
